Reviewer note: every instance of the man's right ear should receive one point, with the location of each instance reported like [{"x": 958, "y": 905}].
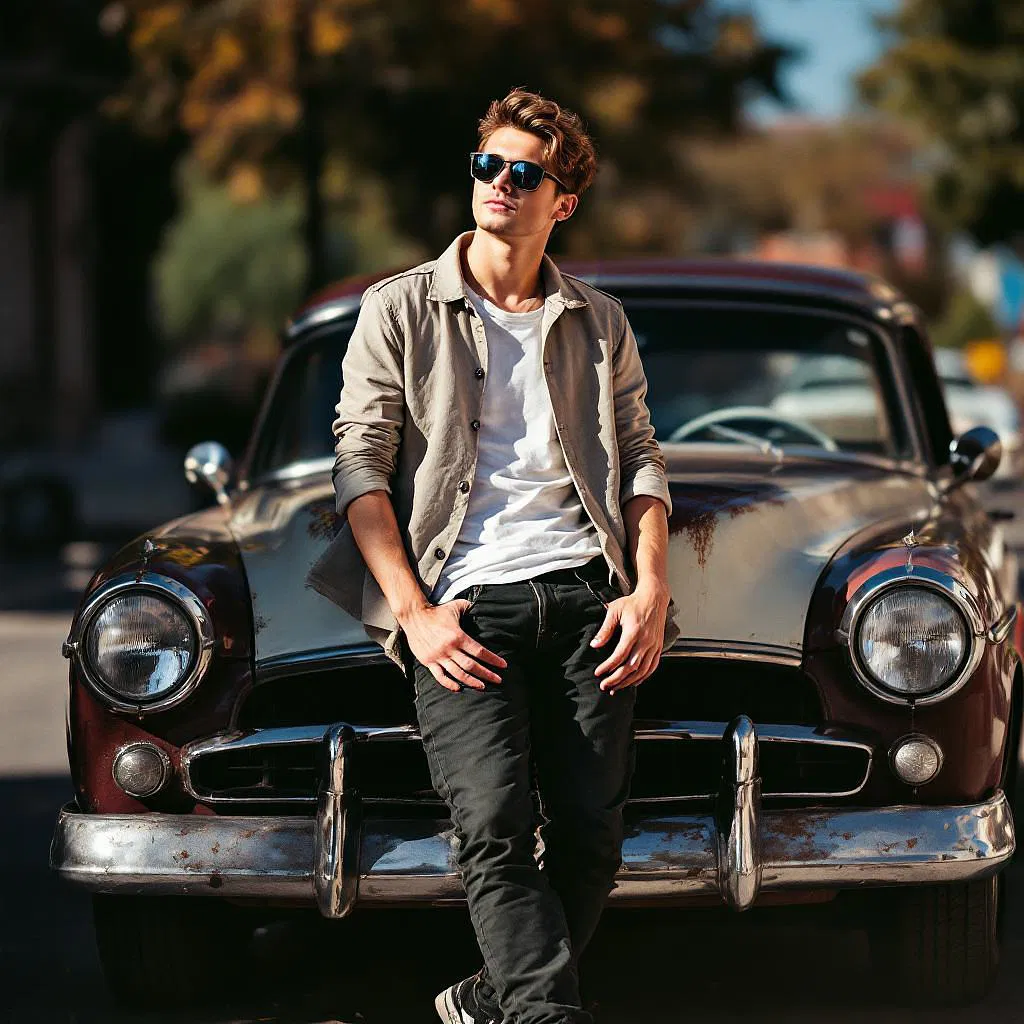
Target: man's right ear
[{"x": 566, "y": 206}]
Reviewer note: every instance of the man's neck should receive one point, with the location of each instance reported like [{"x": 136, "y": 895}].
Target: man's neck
[{"x": 507, "y": 274}]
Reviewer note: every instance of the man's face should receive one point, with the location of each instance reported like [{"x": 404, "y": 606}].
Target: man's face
[{"x": 504, "y": 210}]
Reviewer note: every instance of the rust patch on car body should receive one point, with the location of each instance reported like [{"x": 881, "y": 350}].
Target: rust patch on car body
[
  {"x": 797, "y": 837},
  {"x": 696, "y": 513},
  {"x": 324, "y": 522}
]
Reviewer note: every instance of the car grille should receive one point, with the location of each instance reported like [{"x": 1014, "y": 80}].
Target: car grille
[
  {"x": 681, "y": 689},
  {"x": 285, "y": 768},
  {"x": 682, "y": 711},
  {"x": 674, "y": 762}
]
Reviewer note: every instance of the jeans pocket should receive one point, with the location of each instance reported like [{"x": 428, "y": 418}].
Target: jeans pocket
[
  {"x": 593, "y": 588},
  {"x": 472, "y": 595}
]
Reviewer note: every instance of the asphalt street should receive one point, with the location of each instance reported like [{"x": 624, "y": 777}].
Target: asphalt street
[{"x": 384, "y": 967}]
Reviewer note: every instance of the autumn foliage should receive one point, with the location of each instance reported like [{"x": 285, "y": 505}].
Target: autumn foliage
[{"x": 390, "y": 91}]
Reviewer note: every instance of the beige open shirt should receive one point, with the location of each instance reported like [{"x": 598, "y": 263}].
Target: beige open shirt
[{"x": 408, "y": 420}]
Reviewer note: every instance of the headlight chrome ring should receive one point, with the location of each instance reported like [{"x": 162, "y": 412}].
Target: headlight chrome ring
[
  {"x": 174, "y": 593},
  {"x": 925, "y": 578}
]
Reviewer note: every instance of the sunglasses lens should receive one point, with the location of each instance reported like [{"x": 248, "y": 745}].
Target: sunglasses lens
[
  {"x": 486, "y": 166},
  {"x": 526, "y": 175}
]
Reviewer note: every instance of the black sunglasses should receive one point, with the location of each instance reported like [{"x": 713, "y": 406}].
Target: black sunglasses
[{"x": 524, "y": 174}]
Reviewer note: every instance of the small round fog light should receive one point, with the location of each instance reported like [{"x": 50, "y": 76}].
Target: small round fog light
[
  {"x": 915, "y": 759},
  {"x": 141, "y": 769}
]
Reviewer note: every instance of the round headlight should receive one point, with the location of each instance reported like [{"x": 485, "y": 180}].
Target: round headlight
[
  {"x": 912, "y": 641},
  {"x": 140, "y": 646}
]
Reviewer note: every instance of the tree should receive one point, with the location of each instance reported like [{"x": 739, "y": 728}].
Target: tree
[
  {"x": 956, "y": 68},
  {"x": 395, "y": 87},
  {"x": 224, "y": 266}
]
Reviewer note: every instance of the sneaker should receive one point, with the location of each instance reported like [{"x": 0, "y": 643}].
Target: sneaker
[{"x": 456, "y": 1005}]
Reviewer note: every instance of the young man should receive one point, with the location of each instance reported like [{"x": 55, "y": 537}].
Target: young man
[{"x": 499, "y": 477}]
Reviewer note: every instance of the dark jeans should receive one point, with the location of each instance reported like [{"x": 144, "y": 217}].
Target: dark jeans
[{"x": 533, "y": 919}]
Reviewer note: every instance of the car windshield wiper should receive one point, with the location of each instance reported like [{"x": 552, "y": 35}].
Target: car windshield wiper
[{"x": 762, "y": 444}]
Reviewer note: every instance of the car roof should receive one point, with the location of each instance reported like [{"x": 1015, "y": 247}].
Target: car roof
[{"x": 719, "y": 278}]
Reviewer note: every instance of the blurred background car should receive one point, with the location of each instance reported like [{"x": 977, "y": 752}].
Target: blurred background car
[
  {"x": 115, "y": 483},
  {"x": 973, "y": 404}
]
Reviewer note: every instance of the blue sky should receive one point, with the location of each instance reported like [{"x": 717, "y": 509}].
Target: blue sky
[{"x": 837, "y": 37}]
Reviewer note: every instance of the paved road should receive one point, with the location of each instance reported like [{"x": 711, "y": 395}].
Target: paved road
[{"x": 656, "y": 967}]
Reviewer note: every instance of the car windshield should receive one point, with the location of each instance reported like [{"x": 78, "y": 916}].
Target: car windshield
[{"x": 752, "y": 377}]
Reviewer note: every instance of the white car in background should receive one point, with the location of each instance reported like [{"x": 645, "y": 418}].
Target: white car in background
[
  {"x": 971, "y": 403},
  {"x": 834, "y": 394}
]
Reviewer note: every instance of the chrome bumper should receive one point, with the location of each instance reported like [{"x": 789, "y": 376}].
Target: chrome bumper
[{"x": 339, "y": 860}]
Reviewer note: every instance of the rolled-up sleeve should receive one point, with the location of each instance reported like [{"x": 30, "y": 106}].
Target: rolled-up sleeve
[
  {"x": 371, "y": 409},
  {"x": 642, "y": 465}
]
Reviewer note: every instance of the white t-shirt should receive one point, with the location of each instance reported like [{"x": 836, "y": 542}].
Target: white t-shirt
[{"x": 524, "y": 515}]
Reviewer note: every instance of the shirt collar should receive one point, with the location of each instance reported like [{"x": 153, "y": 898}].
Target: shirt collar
[{"x": 447, "y": 284}]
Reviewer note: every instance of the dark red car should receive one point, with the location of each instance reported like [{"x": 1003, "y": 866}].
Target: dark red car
[{"x": 841, "y": 714}]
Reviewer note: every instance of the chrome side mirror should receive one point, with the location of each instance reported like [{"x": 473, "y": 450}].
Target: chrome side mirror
[
  {"x": 975, "y": 454},
  {"x": 210, "y": 462}
]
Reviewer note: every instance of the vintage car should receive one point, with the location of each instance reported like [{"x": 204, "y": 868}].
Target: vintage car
[{"x": 838, "y": 723}]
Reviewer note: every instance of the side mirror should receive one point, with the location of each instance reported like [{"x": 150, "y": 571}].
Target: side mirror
[
  {"x": 211, "y": 463},
  {"x": 975, "y": 454}
]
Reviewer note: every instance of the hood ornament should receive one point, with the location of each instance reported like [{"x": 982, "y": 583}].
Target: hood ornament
[{"x": 910, "y": 542}]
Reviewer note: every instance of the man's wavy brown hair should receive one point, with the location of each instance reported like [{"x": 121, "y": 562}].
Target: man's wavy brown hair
[{"x": 568, "y": 151}]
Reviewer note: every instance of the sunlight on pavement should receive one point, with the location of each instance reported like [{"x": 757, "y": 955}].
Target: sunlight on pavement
[{"x": 33, "y": 689}]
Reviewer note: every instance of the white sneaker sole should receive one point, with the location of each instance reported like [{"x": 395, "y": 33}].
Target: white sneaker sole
[{"x": 446, "y": 1008}]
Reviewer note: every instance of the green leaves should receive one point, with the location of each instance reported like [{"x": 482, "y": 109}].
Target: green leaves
[{"x": 226, "y": 265}]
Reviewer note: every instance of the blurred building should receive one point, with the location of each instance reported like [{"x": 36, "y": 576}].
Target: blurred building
[
  {"x": 82, "y": 202},
  {"x": 838, "y": 193}
]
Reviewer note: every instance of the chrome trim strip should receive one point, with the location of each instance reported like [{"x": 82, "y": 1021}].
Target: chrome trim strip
[
  {"x": 413, "y": 861},
  {"x": 324, "y": 659},
  {"x": 644, "y": 730},
  {"x": 364, "y": 655},
  {"x": 915, "y": 576},
  {"x": 1000, "y": 629},
  {"x": 735, "y": 650},
  {"x": 177, "y": 594}
]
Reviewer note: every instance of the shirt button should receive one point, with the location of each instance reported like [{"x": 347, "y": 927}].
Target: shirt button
[
  {"x": 478, "y": 372},
  {"x": 439, "y": 552},
  {"x": 475, "y": 424},
  {"x": 464, "y": 486}
]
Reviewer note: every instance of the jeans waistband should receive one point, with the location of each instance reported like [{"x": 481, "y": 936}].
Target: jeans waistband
[{"x": 594, "y": 571}]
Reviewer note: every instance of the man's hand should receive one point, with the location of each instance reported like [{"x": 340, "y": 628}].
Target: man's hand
[
  {"x": 439, "y": 642},
  {"x": 641, "y": 616}
]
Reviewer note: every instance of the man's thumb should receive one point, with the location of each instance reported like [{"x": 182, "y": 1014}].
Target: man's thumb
[{"x": 607, "y": 628}]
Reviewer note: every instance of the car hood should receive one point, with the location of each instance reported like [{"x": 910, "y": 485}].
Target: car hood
[{"x": 749, "y": 538}]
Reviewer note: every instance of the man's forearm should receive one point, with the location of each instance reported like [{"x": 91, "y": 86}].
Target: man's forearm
[
  {"x": 646, "y": 524},
  {"x": 375, "y": 531}
]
